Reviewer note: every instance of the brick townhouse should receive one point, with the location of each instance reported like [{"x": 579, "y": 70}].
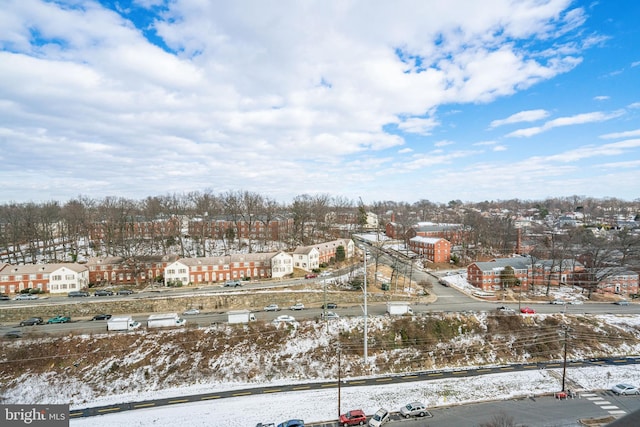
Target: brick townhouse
[
  {"x": 121, "y": 271},
  {"x": 486, "y": 275},
  {"x": 209, "y": 270},
  {"x": 261, "y": 227},
  {"x": 53, "y": 278},
  {"x": 432, "y": 249}
]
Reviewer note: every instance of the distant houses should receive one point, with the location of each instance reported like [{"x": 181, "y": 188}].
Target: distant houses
[{"x": 168, "y": 269}]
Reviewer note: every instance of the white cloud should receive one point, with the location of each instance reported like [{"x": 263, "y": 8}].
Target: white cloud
[
  {"x": 566, "y": 121},
  {"x": 443, "y": 143},
  {"x": 522, "y": 116},
  {"x": 282, "y": 99},
  {"x": 601, "y": 98},
  {"x": 634, "y": 105},
  {"x": 500, "y": 148},
  {"x": 616, "y": 135},
  {"x": 615, "y": 148}
]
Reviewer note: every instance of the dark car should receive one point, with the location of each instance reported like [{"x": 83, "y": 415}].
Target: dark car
[
  {"x": 73, "y": 294},
  {"x": 13, "y": 334},
  {"x": 32, "y": 321},
  {"x": 101, "y": 317},
  {"x": 103, "y": 293},
  {"x": 329, "y": 306},
  {"x": 4, "y": 297},
  {"x": 125, "y": 292},
  {"x": 292, "y": 423}
]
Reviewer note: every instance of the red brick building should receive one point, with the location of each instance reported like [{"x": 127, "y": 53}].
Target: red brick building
[
  {"x": 432, "y": 249},
  {"x": 121, "y": 271}
]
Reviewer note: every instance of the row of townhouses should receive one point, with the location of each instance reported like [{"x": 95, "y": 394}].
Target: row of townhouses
[
  {"x": 611, "y": 280},
  {"x": 67, "y": 277}
]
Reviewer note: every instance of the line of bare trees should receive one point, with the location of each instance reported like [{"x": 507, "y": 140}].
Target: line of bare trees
[{"x": 55, "y": 231}]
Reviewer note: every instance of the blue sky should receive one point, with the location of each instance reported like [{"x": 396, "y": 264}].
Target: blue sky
[{"x": 400, "y": 101}]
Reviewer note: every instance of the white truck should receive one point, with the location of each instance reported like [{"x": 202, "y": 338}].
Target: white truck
[
  {"x": 122, "y": 324},
  {"x": 166, "y": 320},
  {"x": 241, "y": 316},
  {"x": 399, "y": 308}
]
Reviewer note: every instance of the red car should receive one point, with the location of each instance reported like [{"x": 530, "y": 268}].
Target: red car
[
  {"x": 527, "y": 310},
  {"x": 310, "y": 276},
  {"x": 353, "y": 418}
]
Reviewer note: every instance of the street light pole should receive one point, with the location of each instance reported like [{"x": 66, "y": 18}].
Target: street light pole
[{"x": 365, "y": 309}]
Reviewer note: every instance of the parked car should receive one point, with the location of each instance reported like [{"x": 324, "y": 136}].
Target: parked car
[
  {"x": 331, "y": 305},
  {"x": 232, "y": 284},
  {"x": 101, "y": 317},
  {"x": 191, "y": 312},
  {"x": 32, "y": 321},
  {"x": 103, "y": 293},
  {"x": 25, "y": 297},
  {"x": 622, "y": 302},
  {"x": 624, "y": 389},
  {"x": 125, "y": 292},
  {"x": 4, "y": 297},
  {"x": 285, "y": 318},
  {"x": 310, "y": 276},
  {"x": 272, "y": 307},
  {"x": 59, "y": 319},
  {"x": 14, "y": 333},
  {"x": 297, "y": 307},
  {"x": 576, "y": 302},
  {"x": 414, "y": 409},
  {"x": 557, "y": 302},
  {"x": 329, "y": 315},
  {"x": 292, "y": 423},
  {"x": 265, "y": 425},
  {"x": 505, "y": 309},
  {"x": 527, "y": 310},
  {"x": 75, "y": 294},
  {"x": 355, "y": 417},
  {"x": 379, "y": 418}
]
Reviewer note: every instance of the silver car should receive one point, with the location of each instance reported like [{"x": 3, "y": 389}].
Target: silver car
[
  {"x": 414, "y": 409},
  {"x": 624, "y": 389},
  {"x": 272, "y": 307},
  {"x": 379, "y": 418}
]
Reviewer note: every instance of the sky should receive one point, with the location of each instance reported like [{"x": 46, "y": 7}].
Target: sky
[{"x": 406, "y": 100}]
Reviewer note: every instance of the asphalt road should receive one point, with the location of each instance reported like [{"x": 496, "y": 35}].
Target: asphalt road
[{"x": 460, "y": 414}]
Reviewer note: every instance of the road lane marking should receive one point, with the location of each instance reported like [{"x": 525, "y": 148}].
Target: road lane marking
[
  {"x": 384, "y": 379},
  {"x": 507, "y": 368},
  {"x": 144, "y": 405},
  {"x": 406, "y": 377},
  {"x": 244, "y": 393},
  {"x": 439, "y": 374},
  {"x": 75, "y": 414},
  {"x": 303, "y": 387},
  {"x": 617, "y": 412},
  {"x": 209, "y": 397},
  {"x": 459, "y": 372},
  {"x": 357, "y": 382},
  {"x": 601, "y": 402},
  {"x": 276, "y": 390},
  {"x": 178, "y": 401},
  {"x": 609, "y": 407},
  {"x": 329, "y": 385},
  {"x": 108, "y": 409},
  {"x": 484, "y": 370}
]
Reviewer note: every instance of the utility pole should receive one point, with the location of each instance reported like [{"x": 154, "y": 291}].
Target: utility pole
[
  {"x": 564, "y": 365},
  {"x": 339, "y": 375},
  {"x": 365, "y": 308}
]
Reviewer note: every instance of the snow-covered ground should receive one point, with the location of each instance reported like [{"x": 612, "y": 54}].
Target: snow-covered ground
[{"x": 314, "y": 406}]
